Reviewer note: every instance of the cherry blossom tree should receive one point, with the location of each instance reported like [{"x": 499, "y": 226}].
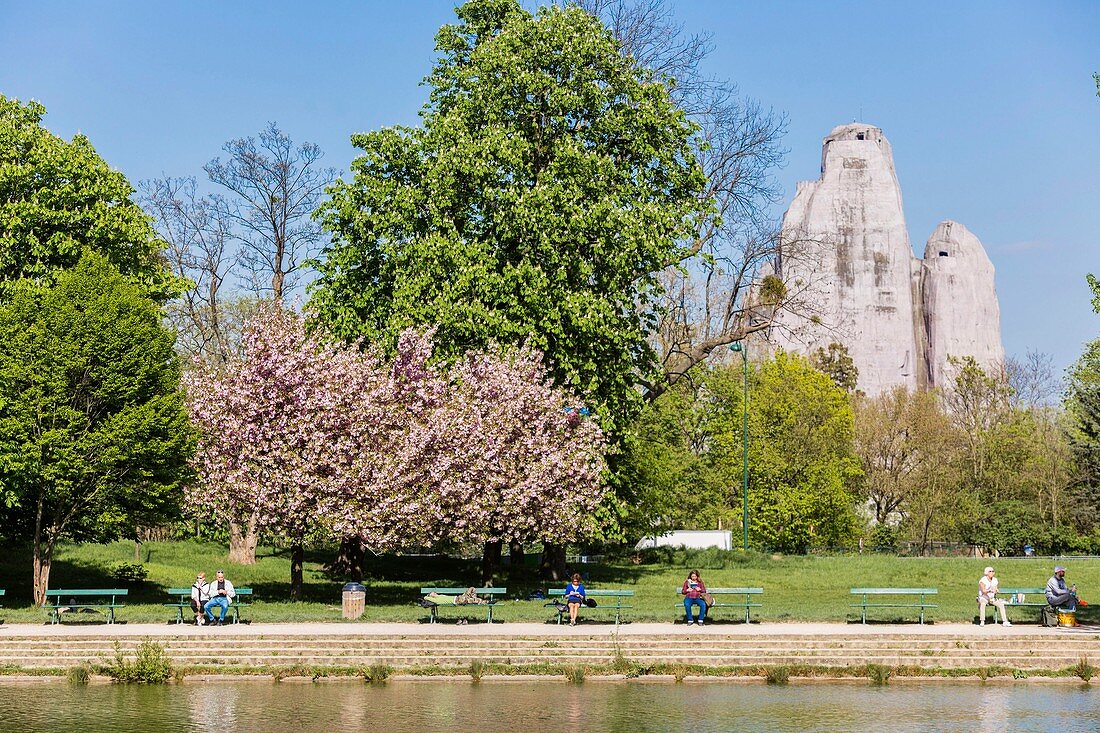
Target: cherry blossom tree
[{"x": 302, "y": 435}]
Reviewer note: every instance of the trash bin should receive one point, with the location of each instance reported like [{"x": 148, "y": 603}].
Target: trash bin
[{"x": 355, "y": 595}]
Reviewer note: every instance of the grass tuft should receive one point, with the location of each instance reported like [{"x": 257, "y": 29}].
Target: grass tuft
[
  {"x": 1083, "y": 669},
  {"x": 879, "y": 674},
  {"x": 778, "y": 675}
]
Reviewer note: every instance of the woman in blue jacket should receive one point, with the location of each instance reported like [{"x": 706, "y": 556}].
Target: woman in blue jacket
[{"x": 574, "y": 597}]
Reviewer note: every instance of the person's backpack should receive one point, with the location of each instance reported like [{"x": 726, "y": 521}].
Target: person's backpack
[{"x": 1050, "y": 616}]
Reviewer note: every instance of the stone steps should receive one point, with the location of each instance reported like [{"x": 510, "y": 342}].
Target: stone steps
[{"x": 1024, "y": 652}]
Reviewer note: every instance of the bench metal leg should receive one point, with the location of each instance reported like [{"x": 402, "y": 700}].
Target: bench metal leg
[{"x": 490, "y": 614}]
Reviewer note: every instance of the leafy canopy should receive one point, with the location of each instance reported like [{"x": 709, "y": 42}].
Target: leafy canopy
[
  {"x": 550, "y": 180},
  {"x": 58, "y": 199}
]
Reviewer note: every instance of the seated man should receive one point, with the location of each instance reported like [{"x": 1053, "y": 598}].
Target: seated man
[
  {"x": 1058, "y": 595},
  {"x": 221, "y": 593}
]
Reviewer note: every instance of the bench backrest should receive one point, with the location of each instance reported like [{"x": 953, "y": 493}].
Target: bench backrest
[
  {"x": 460, "y": 591},
  {"x": 1025, "y": 591},
  {"x": 893, "y": 591},
  {"x": 187, "y": 591},
  {"x": 587, "y": 592},
  {"x": 744, "y": 591},
  {"x": 85, "y": 592}
]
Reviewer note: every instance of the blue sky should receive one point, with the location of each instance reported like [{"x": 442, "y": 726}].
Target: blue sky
[{"x": 990, "y": 106}]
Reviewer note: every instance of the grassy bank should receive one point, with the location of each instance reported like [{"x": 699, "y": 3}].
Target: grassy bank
[{"x": 796, "y": 588}]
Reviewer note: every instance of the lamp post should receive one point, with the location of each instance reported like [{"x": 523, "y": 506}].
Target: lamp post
[{"x": 739, "y": 346}]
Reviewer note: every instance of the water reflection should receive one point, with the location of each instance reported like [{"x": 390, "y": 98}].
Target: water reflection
[{"x": 534, "y": 707}]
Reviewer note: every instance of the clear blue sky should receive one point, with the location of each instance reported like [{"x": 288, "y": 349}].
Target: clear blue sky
[{"x": 990, "y": 106}]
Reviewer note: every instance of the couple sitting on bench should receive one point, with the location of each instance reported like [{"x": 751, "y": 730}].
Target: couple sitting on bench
[{"x": 205, "y": 597}]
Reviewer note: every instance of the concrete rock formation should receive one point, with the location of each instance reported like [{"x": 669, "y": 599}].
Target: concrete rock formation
[{"x": 846, "y": 254}]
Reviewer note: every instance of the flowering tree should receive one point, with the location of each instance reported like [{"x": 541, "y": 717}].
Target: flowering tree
[
  {"x": 274, "y": 434},
  {"x": 487, "y": 452},
  {"x": 302, "y": 435}
]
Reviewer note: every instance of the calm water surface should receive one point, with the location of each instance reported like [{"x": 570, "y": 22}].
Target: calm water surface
[{"x": 540, "y": 707}]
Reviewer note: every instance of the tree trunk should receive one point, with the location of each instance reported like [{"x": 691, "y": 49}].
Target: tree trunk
[
  {"x": 297, "y": 558},
  {"x": 552, "y": 566},
  {"x": 490, "y": 560},
  {"x": 515, "y": 555},
  {"x": 137, "y": 551},
  {"x": 43, "y": 558},
  {"x": 242, "y": 542},
  {"x": 349, "y": 559}
]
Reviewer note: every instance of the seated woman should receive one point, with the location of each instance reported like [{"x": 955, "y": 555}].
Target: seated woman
[
  {"x": 987, "y": 593},
  {"x": 574, "y": 597},
  {"x": 693, "y": 591}
]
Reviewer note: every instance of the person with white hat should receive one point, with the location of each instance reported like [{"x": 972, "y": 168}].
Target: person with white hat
[
  {"x": 1058, "y": 595},
  {"x": 988, "y": 586}
]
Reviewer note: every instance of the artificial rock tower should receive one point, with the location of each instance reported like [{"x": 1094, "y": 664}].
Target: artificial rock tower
[{"x": 846, "y": 255}]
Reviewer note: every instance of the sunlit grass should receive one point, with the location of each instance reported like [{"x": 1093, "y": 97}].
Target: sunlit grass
[{"x": 795, "y": 588}]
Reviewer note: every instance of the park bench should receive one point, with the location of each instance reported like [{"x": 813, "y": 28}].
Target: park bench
[
  {"x": 745, "y": 601},
  {"x": 183, "y": 600},
  {"x": 618, "y": 595},
  {"x": 71, "y": 600},
  {"x": 1017, "y": 598},
  {"x": 874, "y": 598},
  {"x": 433, "y": 608}
]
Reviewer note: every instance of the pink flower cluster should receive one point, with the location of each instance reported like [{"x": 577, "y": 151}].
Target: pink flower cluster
[{"x": 303, "y": 436}]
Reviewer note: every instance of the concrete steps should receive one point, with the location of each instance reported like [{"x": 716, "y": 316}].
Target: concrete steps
[{"x": 242, "y": 650}]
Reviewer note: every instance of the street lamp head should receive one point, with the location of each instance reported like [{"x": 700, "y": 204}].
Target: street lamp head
[{"x": 736, "y": 346}]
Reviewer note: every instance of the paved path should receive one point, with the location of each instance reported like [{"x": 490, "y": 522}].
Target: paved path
[{"x": 538, "y": 629}]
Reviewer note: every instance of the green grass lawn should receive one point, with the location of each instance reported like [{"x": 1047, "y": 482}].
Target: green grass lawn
[{"x": 795, "y": 588}]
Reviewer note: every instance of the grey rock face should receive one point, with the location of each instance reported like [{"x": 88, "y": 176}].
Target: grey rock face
[
  {"x": 846, "y": 253},
  {"x": 961, "y": 312}
]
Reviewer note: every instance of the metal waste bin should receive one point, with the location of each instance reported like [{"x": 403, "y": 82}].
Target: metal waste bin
[{"x": 355, "y": 595}]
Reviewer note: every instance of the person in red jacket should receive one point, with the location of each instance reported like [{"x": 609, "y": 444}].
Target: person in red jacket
[{"x": 693, "y": 591}]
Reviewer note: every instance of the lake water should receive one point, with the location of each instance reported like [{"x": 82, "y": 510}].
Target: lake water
[{"x": 548, "y": 707}]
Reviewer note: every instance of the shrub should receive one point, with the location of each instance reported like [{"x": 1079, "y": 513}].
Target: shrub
[
  {"x": 477, "y": 668},
  {"x": 151, "y": 665}
]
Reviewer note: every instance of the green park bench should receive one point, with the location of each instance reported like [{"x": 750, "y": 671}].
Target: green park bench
[
  {"x": 99, "y": 599},
  {"x": 618, "y": 595},
  {"x": 1017, "y": 598},
  {"x": 746, "y": 600},
  {"x": 433, "y": 608},
  {"x": 183, "y": 600},
  {"x": 874, "y": 598}
]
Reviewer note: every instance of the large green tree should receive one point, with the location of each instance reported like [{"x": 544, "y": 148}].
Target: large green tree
[
  {"x": 94, "y": 439},
  {"x": 804, "y": 475},
  {"x": 59, "y": 198},
  {"x": 551, "y": 180}
]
